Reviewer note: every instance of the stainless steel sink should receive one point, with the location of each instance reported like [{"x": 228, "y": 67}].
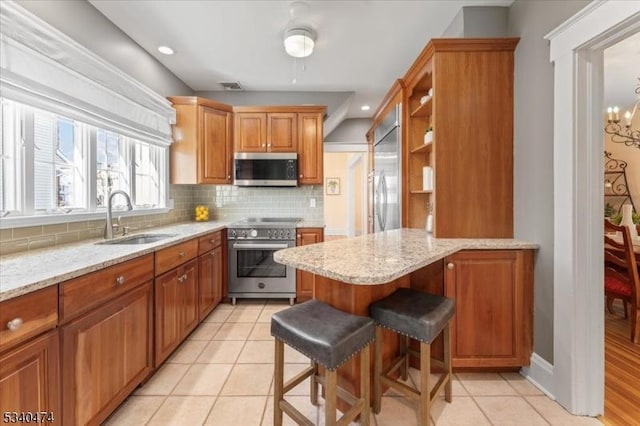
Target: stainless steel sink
[{"x": 139, "y": 239}]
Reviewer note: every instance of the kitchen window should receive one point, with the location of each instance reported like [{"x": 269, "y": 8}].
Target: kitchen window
[{"x": 56, "y": 166}]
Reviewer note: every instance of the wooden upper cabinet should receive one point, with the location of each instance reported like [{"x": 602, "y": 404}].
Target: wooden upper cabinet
[
  {"x": 284, "y": 129},
  {"x": 202, "y": 151},
  {"x": 281, "y": 132},
  {"x": 463, "y": 90},
  {"x": 250, "y": 132},
  {"x": 310, "y": 148}
]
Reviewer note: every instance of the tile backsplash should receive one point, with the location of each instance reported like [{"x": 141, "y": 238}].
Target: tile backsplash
[
  {"x": 34, "y": 237},
  {"x": 225, "y": 202},
  {"x": 228, "y": 202}
]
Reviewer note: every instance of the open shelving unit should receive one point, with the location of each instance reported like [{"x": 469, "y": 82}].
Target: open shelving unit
[{"x": 471, "y": 112}]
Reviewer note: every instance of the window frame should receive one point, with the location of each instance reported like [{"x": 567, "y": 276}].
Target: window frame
[{"x": 26, "y": 215}]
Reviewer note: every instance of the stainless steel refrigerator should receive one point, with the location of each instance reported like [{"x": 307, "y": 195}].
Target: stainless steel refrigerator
[{"x": 387, "y": 172}]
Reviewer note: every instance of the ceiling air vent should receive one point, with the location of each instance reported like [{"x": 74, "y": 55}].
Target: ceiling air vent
[{"x": 231, "y": 86}]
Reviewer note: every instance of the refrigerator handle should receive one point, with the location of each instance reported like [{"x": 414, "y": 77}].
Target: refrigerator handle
[
  {"x": 378, "y": 206},
  {"x": 385, "y": 202}
]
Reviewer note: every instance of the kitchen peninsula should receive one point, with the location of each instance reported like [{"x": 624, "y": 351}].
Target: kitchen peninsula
[{"x": 490, "y": 279}]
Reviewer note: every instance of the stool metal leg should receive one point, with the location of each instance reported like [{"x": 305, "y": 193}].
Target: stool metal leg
[
  {"x": 447, "y": 362},
  {"x": 314, "y": 383},
  {"x": 365, "y": 380},
  {"x": 278, "y": 385},
  {"x": 331, "y": 397},
  {"x": 377, "y": 371},
  {"x": 425, "y": 384}
]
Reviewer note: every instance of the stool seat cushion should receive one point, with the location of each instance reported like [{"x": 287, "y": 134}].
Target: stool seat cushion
[
  {"x": 413, "y": 313},
  {"x": 323, "y": 333}
]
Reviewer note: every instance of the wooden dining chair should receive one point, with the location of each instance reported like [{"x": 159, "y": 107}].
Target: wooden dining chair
[{"x": 621, "y": 278}]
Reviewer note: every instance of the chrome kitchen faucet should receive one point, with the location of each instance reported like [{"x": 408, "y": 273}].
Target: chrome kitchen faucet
[{"x": 108, "y": 228}]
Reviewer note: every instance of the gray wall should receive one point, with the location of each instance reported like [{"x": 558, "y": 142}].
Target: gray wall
[
  {"x": 351, "y": 130},
  {"x": 479, "y": 21},
  {"x": 85, "y": 24},
  {"x": 531, "y": 20}
]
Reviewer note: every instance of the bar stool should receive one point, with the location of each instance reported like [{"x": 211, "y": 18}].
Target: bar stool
[
  {"x": 329, "y": 337},
  {"x": 420, "y": 316}
]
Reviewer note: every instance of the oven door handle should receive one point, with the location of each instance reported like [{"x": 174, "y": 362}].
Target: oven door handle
[{"x": 259, "y": 246}]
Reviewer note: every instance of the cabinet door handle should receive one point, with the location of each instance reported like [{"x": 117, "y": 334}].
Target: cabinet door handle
[
  {"x": 181, "y": 278},
  {"x": 268, "y": 144},
  {"x": 181, "y": 254},
  {"x": 263, "y": 145},
  {"x": 120, "y": 280},
  {"x": 450, "y": 265},
  {"x": 299, "y": 236},
  {"x": 301, "y": 176},
  {"x": 15, "y": 324},
  {"x": 229, "y": 177},
  {"x": 212, "y": 241}
]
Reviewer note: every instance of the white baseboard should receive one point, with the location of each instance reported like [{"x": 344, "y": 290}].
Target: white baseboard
[
  {"x": 540, "y": 373},
  {"x": 335, "y": 231}
]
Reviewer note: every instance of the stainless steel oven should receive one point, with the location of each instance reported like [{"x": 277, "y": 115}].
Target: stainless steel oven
[{"x": 252, "y": 271}]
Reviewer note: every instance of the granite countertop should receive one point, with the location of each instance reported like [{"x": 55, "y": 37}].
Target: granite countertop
[
  {"x": 25, "y": 272},
  {"x": 383, "y": 257}
]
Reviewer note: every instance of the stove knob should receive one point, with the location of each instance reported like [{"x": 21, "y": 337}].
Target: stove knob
[
  {"x": 253, "y": 233},
  {"x": 244, "y": 234},
  {"x": 281, "y": 233},
  {"x": 268, "y": 233},
  {"x": 233, "y": 233}
]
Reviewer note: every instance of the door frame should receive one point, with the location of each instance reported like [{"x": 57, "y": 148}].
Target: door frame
[
  {"x": 355, "y": 159},
  {"x": 576, "y": 50}
]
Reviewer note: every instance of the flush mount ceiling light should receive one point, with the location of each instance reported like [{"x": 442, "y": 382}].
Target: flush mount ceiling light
[
  {"x": 365, "y": 107},
  {"x": 299, "y": 41},
  {"x": 165, "y": 50}
]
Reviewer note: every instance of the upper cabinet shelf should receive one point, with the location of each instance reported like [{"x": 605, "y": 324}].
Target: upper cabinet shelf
[
  {"x": 423, "y": 110},
  {"x": 422, "y": 148}
]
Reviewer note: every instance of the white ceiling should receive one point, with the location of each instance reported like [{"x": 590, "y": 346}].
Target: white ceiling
[
  {"x": 621, "y": 72},
  {"x": 362, "y": 45}
]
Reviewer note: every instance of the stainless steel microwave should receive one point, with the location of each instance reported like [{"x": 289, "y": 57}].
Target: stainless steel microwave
[{"x": 265, "y": 169}]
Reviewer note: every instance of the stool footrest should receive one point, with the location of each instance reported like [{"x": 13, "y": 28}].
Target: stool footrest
[
  {"x": 296, "y": 415},
  {"x": 299, "y": 378},
  {"x": 352, "y": 413},
  {"x": 399, "y": 386},
  {"x": 438, "y": 386},
  {"x": 342, "y": 392}
]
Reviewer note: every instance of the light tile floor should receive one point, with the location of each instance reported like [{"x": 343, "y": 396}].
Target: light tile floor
[{"x": 223, "y": 375}]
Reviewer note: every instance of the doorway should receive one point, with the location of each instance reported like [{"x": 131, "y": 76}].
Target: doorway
[
  {"x": 577, "y": 53},
  {"x": 345, "y": 201}
]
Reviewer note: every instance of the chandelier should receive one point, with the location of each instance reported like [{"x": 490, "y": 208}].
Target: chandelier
[{"x": 623, "y": 133}]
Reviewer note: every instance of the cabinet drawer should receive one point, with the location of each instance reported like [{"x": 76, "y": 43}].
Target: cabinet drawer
[
  {"x": 209, "y": 242},
  {"x": 173, "y": 256},
  {"x": 28, "y": 315},
  {"x": 88, "y": 291}
]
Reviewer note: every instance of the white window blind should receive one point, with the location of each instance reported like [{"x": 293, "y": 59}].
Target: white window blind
[
  {"x": 44, "y": 176},
  {"x": 10, "y": 184},
  {"x": 42, "y": 67}
]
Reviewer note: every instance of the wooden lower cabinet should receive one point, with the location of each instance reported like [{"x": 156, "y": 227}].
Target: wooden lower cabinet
[
  {"x": 105, "y": 355},
  {"x": 30, "y": 379},
  {"x": 210, "y": 277},
  {"x": 493, "y": 323},
  {"x": 304, "y": 280},
  {"x": 176, "y": 308}
]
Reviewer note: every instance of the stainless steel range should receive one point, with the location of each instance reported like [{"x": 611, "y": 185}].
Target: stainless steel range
[{"x": 252, "y": 271}]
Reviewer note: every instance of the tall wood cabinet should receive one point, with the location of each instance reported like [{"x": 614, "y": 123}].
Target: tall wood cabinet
[
  {"x": 284, "y": 129},
  {"x": 203, "y": 148},
  {"x": 304, "y": 280},
  {"x": 471, "y": 112}
]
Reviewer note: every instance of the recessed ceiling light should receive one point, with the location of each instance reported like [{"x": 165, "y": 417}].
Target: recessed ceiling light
[
  {"x": 365, "y": 107},
  {"x": 165, "y": 50}
]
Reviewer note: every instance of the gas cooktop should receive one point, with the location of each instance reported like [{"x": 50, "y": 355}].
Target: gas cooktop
[{"x": 267, "y": 222}]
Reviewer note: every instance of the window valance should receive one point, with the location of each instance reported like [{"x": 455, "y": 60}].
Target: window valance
[{"x": 43, "y": 67}]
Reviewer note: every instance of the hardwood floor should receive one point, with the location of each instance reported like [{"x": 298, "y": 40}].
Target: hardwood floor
[{"x": 622, "y": 372}]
